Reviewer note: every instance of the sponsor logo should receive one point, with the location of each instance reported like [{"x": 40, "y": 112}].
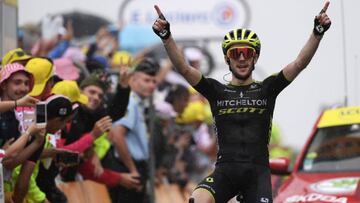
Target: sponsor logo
[
  {"x": 253, "y": 86},
  {"x": 227, "y": 90},
  {"x": 336, "y": 185},
  {"x": 241, "y": 102},
  {"x": 320, "y": 28},
  {"x": 210, "y": 179},
  {"x": 207, "y": 187},
  {"x": 224, "y": 14},
  {"x": 314, "y": 197},
  {"x": 350, "y": 112},
  {"x": 264, "y": 199},
  {"x": 241, "y": 110}
]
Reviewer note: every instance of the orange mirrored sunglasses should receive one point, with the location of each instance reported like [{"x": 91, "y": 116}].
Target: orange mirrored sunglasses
[{"x": 235, "y": 53}]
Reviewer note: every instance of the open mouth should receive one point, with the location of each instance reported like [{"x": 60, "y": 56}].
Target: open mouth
[{"x": 242, "y": 66}]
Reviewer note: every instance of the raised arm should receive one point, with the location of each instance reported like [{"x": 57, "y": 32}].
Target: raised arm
[
  {"x": 161, "y": 27},
  {"x": 321, "y": 24}
]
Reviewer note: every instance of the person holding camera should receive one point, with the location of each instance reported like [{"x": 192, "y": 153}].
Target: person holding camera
[
  {"x": 42, "y": 70},
  {"x": 82, "y": 132},
  {"x": 15, "y": 83}
]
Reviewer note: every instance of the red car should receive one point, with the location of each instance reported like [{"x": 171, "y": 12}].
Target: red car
[{"x": 328, "y": 167}]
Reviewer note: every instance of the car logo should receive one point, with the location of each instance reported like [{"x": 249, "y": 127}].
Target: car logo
[{"x": 337, "y": 185}]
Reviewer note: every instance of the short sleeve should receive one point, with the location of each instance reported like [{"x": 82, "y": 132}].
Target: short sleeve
[{"x": 129, "y": 118}]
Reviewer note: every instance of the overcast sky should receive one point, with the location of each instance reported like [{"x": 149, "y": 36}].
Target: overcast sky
[{"x": 283, "y": 26}]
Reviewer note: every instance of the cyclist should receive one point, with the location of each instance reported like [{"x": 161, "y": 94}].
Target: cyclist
[{"x": 242, "y": 110}]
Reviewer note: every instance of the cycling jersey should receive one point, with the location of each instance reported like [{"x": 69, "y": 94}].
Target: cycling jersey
[{"x": 242, "y": 116}]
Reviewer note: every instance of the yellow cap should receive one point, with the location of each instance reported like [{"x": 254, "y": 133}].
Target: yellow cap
[
  {"x": 71, "y": 90},
  {"x": 193, "y": 90},
  {"x": 195, "y": 111},
  {"x": 42, "y": 70},
  {"x": 14, "y": 55},
  {"x": 121, "y": 58}
]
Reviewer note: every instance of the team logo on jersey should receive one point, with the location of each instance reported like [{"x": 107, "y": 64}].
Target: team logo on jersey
[
  {"x": 209, "y": 179},
  {"x": 241, "y": 110},
  {"x": 227, "y": 90},
  {"x": 241, "y": 102},
  {"x": 253, "y": 86}
]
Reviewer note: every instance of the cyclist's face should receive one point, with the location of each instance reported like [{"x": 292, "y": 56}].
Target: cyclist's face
[{"x": 241, "y": 59}]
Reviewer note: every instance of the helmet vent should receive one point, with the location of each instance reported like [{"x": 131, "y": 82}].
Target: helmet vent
[
  {"x": 232, "y": 35},
  {"x": 254, "y": 36},
  {"x": 246, "y": 34}
]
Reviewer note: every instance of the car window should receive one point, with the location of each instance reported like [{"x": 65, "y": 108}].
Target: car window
[{"x": 333, "y": 149}]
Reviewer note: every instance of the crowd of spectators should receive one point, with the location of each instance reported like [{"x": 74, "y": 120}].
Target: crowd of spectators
[{"x": 104, "y": 107}]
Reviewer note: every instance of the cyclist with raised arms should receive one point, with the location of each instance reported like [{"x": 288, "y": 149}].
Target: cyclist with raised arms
[{"x": 242, "y": 110}]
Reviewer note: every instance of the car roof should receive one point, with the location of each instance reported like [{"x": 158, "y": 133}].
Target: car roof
[{"x": 340, "y": 116}]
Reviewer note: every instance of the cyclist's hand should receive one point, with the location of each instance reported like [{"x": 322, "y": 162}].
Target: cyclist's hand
[
  {"x": 322, "y": 22},
  {"x": 161, "y": 26}
]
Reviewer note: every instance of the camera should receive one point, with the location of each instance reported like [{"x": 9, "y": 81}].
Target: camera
[{"x": 41, "y": 114}]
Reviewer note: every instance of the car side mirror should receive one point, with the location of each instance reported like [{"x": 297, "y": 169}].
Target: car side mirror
[{"x": 279, "y": 166}]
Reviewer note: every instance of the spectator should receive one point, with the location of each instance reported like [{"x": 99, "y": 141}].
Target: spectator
[
  {"x": 15, "y": 83},
  {"x": 59, "y": 111},
  {"x": 49, "y": 168},
  {"x": 92, "y": 120},
  {"x": 66, "y": 70},
  {"x": 130, "y": 136},
  {"x": 166, "y": 134},
  {"x": 42, "y": 70},
  {"x": 15, "y": 55}
]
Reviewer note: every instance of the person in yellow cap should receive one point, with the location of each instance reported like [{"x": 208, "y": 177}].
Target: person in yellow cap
[
  {"x": 42, "y": 181},
  {"x": 89, "y": 126},
  {"x": 15, "y": 83},
  {"x": 42, "y": 70},
  {"x": 59, "y": 112},
  {"x": 120, "y": 58},
  {"x": 16, "y": 55},
  {"x": 71, "y": 90}
]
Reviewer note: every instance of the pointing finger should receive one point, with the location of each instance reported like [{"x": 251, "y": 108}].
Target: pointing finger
[
  {"x": 327, "y": 3},
  {"x": 161, "y": 16},
  {"x": 157, "y": 10}
]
